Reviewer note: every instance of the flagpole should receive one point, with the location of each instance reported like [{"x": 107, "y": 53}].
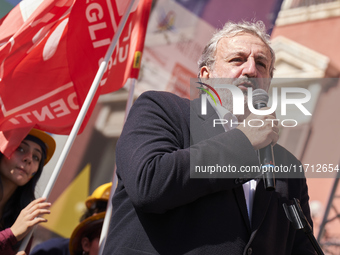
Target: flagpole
[
  {"x": 89, "y": 97},
  {"x": 106, "y": 223}
]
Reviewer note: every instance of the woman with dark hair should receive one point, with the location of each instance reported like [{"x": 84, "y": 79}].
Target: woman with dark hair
[{"x": 19, "y": 174}]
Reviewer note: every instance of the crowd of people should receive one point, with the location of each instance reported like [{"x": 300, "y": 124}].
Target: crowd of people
[
  {"x": 159, "y": 207},
  {"x": 88, "y": 228}
]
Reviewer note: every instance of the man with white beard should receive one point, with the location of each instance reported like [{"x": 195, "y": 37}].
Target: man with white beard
[{"x": 161, "y": 206}]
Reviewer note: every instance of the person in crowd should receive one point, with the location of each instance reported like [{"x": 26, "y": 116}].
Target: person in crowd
[
  {"x": 85, "y": 237},
  {"x": 95, "y": 204},
  {"x": 19, "y": 210},
  {"x": 162, "y": 207}
]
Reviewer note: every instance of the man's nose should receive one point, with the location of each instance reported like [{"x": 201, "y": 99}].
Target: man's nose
[{"x": 249, "y": 68}]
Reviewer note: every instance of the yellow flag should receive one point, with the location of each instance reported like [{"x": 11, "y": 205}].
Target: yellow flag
[{"x": 70, "y": 205}]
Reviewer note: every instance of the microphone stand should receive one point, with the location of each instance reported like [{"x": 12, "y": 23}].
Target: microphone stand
[{"x": 295, "y": 215}]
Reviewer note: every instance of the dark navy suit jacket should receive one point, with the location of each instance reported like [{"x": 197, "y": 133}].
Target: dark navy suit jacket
[{"x": 159, "y": 209}]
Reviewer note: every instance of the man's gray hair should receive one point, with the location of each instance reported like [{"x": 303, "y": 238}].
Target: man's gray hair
[{"x": 231, "y": 29}]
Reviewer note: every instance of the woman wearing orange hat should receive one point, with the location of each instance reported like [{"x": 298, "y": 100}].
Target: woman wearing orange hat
[
  {"x": 19, "y": 174},
  {"x": 85, "y": 237}
]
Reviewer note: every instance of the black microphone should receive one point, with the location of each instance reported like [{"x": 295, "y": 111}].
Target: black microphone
[{"x": 260, "y": 100}]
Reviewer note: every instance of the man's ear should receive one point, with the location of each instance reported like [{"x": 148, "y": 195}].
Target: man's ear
[
  {"x": 85, "y": 244},
  {"x": 205, "y": 72}
]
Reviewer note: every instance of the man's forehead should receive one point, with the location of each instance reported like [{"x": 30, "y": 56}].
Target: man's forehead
[{"x": 243, "y": 39}]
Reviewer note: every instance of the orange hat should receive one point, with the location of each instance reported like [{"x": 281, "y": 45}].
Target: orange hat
[
  {"x": 47, "y": 140},
  {"x": 84, "y": 227},
  {"x": 100, "y": 193}
]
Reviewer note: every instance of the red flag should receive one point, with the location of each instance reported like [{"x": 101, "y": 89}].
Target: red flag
[{"x": 50, "y": 52}]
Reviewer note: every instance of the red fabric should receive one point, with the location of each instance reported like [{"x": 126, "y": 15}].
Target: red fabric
[
  {"x": 8, "y": 241},
  {"x": 48, "y": 63}
]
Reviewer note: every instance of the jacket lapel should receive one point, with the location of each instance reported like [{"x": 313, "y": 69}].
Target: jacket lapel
[
  {"x": 201, "y": 128},
  {"x": 260, "y": 205},
  {"x": 241, "y": 201}
]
